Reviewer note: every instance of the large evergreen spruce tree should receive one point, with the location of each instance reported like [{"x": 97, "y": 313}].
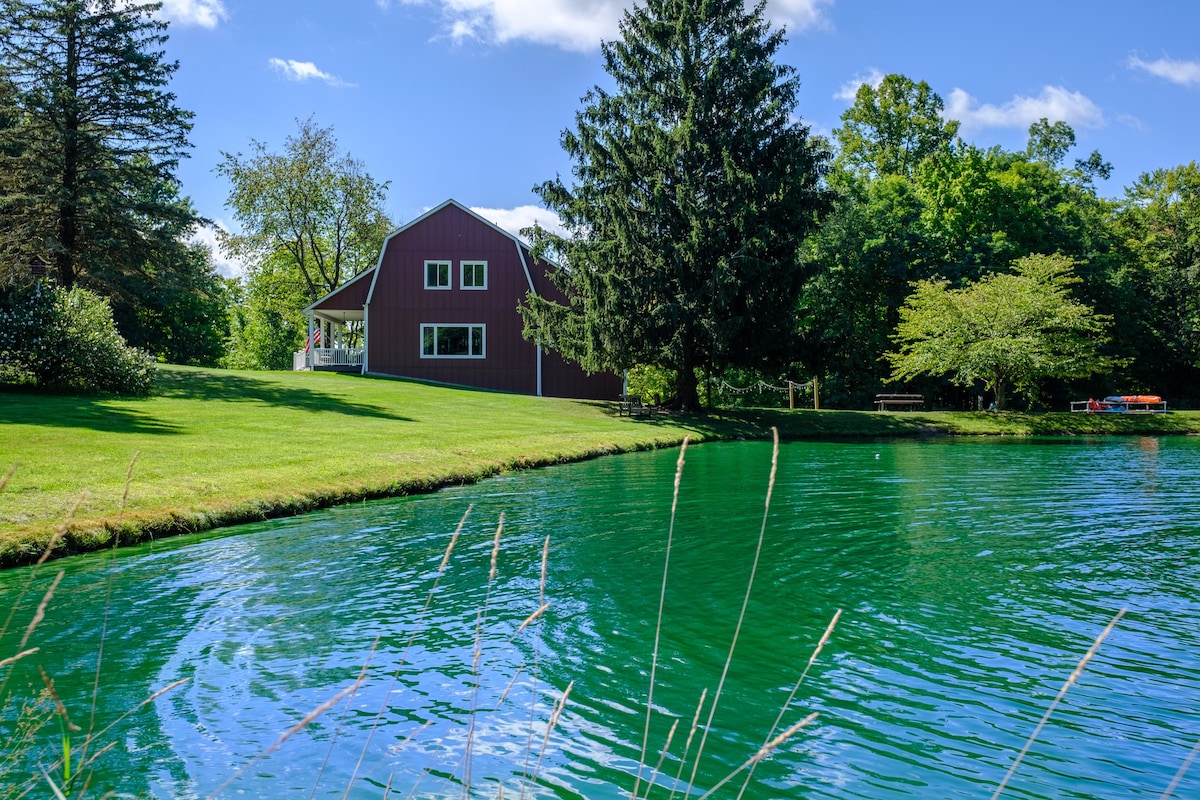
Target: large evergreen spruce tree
[
  {"x": 89, "y": 162},
  {"x": 694, "y": 186}
]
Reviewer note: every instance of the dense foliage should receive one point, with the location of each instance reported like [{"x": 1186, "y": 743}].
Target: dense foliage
[
  {"x": 917, "y": 208},
  {"x": 311, "y": 218},
  {"x": 94, "y": 138},
  {"x": 66, "y": 340},
  {"x": 1008, "y": 329},
  {"x": 90, "y": 138},
  {"x": 709, "y": 235},
  {"x": 695, "y": 186}
]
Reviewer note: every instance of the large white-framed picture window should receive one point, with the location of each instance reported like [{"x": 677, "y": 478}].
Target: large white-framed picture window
[
  {"x": 437, "y": 274},
  {"x": 473, "y": 275},
  {"x": 452, "y": 341}
]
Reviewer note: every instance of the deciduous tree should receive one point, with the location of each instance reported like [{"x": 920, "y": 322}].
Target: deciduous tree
[
  {"x": 694, "y": 187},
  {"x": 1009, "y": 329},
  {"x": 892, "y": 128},
  {"x": 309, "y": 210},
  {"x": 1160, "y": 224}
]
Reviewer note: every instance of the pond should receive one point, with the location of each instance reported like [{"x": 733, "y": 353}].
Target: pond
[{"x": 972, "y": 577}]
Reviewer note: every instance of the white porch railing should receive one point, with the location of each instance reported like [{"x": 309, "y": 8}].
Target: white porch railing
[{"x": 327, "y": 357}]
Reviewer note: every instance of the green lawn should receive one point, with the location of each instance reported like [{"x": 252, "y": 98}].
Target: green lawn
[{"x": 216, "y": 447}]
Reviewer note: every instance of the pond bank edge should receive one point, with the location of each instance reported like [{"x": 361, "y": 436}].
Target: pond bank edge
[{"x": 30, "y": 546}]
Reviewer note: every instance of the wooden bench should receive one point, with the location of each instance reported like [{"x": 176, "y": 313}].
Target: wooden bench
[
  {"x": 630, "y": 405},
  {"x": 909, "y": 401}
]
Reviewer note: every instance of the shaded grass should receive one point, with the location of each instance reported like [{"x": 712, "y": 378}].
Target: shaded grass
[{"x": 219, "y": 447}]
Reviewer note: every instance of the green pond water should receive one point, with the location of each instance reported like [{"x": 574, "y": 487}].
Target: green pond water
[{"x": 972, "y": 576}]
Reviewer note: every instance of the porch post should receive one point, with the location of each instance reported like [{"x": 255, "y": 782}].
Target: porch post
[
  {"x": 366, "y": 328},
  {"x": 539, "y": 370},
  {"x": 308, "y": 343}
]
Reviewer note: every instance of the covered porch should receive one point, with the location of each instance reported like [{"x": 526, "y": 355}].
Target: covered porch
[{"x": 334, "y": 342}]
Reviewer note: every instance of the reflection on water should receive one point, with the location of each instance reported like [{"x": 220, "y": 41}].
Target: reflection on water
[{"x": 973, "y": 576}]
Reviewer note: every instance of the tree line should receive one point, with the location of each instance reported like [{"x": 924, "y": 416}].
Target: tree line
[{"x": 709, "y": 233}]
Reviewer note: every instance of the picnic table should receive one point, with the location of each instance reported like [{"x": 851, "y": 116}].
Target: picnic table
[{"x": 883, "y": 402}]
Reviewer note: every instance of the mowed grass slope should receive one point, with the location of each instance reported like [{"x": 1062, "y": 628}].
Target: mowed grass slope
[{"x": 217, "y": 447}]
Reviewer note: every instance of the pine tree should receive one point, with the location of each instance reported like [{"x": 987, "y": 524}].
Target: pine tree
[
  {"x": 694, "y": 186},
  {"x": 90, "y": 162}
]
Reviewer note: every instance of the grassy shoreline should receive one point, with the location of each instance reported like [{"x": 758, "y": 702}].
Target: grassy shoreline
[{"x": 214, "y": 447}]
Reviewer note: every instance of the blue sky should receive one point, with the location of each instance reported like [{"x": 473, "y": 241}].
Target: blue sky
[{"x": 468, "y": 98}]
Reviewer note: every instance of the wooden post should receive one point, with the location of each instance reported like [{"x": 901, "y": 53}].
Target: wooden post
[
  {"x": 791, "y": 396},
  {"x": 816, "y": 395}
]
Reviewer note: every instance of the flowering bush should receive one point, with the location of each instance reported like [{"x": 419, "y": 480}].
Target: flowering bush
[{"x": 67, "y": 341}]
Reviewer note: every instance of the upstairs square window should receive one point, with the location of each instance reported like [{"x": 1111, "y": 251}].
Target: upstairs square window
[
  {"x": 437, "y": 274},
  {"x": 474, "y": 275}
]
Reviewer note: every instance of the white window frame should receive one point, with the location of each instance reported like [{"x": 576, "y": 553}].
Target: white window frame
[
  {"x": 449, "y": 265},
  {"x": 462, "y": 275},
  {"x": 468, "y": 325}
]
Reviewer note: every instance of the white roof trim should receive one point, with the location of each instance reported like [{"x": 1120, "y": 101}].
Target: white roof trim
[
  {"x": 451, "y": 202},
  {"x": 309, "y": 309}
]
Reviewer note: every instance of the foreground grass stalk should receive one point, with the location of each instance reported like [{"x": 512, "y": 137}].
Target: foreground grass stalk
[
  {"x": 512, "y": 682},
  {"x": 13, "y": 659},
  {"x": 40, "y": 614},
  {"x": 65, "y": 727},
  {"x": 1183, "y": 768},
  {"x": 792, "y": 695},
  {"x": 107, "y": 608},
  {"x": 58, "y": 793},
  {"x": 54, "y": 540},
  {"x": 662, "y": 756},
  {"x": 537, "y": 649},
  {"x": 770, "y": 747},
  {"x": 289, "y": 733},
  {"x": 168, "y": 688},
  {"x": 417, "y": 626},
  {"x": 1083, "y": 662},
  {"x": 480, "y": 623},
  {"x": 741, "y": 614},
  {"x": 687, "y": 747},
  {"x": 337, "y": 730},
  {"x": 662, "y": 599},
  {"x": 555, "y": 714}
]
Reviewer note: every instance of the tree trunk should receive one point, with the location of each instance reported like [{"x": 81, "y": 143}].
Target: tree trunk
[
  {"x": 686, "y": 390},
  {"x": 1001, "y": 398}
]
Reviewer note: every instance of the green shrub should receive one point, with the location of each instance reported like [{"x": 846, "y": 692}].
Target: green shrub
[
  {"x": 652, "y": 384},
  {"x": 66, "y": 341}
]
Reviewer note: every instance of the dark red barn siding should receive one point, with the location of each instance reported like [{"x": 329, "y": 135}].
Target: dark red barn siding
[
  {"x": 350, "y": 296},
  {"x": 561, "y": 378},
  {"x": 399, "y": 304}
]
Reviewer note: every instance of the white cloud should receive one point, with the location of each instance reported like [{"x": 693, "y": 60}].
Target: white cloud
[
  {"x": 572, "y": 24},
  {"x": 1184, "y": 73},
  {"x": 848, "y": 91},
  {"x": 305, "y": 71},
  {"x": 798, "y": 14},
  {"x": 204, "y": 13},
  {"x": 1054, "y": 103},
  {"x": 514, "y": 220},
  {"x": 207, "y": 236}
]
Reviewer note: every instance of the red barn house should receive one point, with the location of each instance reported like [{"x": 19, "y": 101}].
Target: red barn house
[{"x": 441, "y": 305}]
